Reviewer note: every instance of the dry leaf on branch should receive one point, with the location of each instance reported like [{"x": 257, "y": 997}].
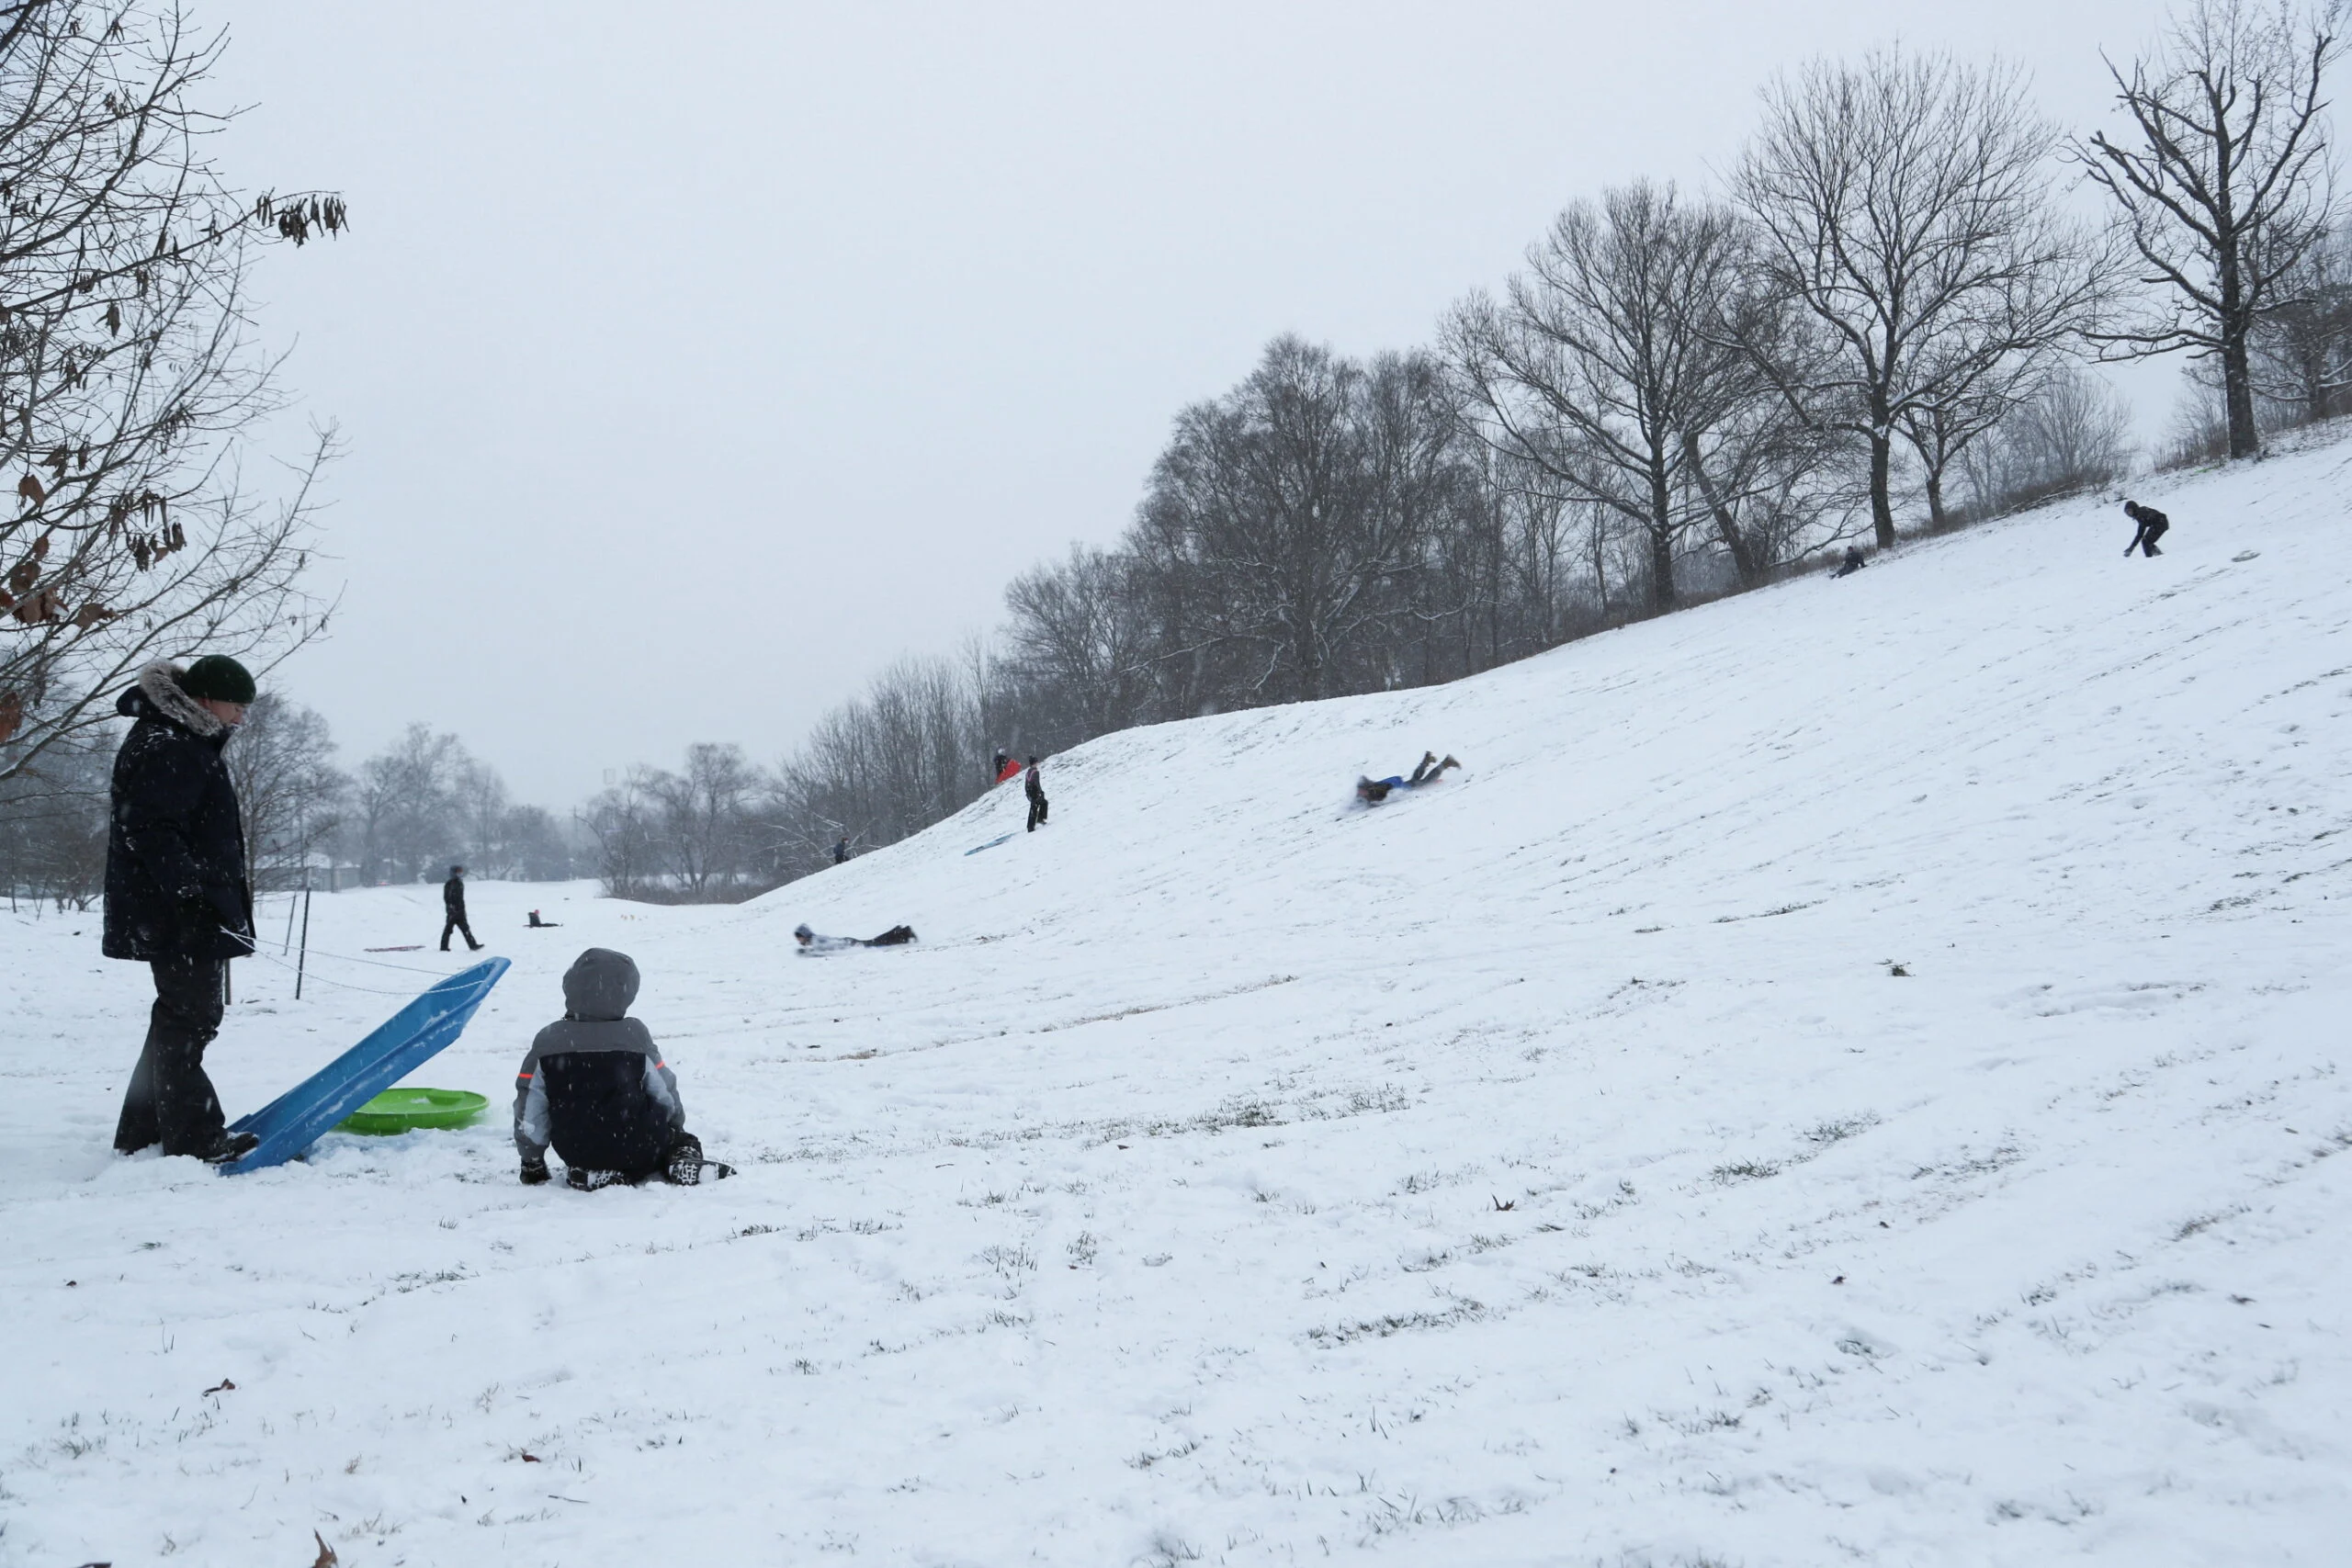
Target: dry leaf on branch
[{"x": 326, "y": 1558}]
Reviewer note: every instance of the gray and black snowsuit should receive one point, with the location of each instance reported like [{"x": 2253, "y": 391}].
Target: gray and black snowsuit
[{"x": 595, "y": 1085}]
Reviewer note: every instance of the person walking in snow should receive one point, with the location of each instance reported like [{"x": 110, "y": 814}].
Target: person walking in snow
[
  {"x": 1854, "y": 563},
  {"x": 453, "y": 910},
  {"x": 177, "y": 897},
  {"x": 841, "y": 850},
  {"x": 1034, "y": 787},
  {"x": 595, "y": 1089},
  {"x": 2152, "y": 525}
]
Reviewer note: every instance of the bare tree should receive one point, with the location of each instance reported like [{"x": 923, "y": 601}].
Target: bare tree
[
  {"x": 128, "y": 376},
  {"x": 2303, "y": 347},
  {"x": 479, "y": 810},
  {"x": 1599, "y": 359},
  {"x": 626, "y": 823},
  {"x": 2073, "y": 433},
  {"x": 287, "y": 787},
  {"x": 405, "y": 808},
  {"x": 2223, "y": 184},
  {"x": 535, "y": 844},
  {"x": 1078, "y": 647},
  {"x": 1286, "y": 513},
  {"x": 53, "y": 827},
  {"x": 1905, "y": 203},
  {"x": 705, "y": 816}
]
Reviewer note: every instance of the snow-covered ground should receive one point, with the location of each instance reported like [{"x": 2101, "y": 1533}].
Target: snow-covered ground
[{"x": 1550, "y": 1168}]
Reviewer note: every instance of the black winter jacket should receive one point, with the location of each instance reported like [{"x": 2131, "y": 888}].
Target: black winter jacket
[{"x": 176, "y": 847}]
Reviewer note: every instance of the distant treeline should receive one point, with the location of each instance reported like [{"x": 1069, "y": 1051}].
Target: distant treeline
[{"x": 1881, "y": 319}]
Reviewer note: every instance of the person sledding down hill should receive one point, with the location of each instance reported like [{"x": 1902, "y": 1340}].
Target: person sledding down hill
[
  {"x": 1372, "y": 792},
  {"x": 815, "y": 946},
  {"x": 596, "y": 1086}
]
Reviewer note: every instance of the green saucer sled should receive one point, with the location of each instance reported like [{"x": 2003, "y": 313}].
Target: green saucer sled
[{"x": 412, "y": 1110}]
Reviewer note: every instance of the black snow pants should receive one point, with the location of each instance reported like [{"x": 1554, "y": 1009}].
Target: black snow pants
[
  {"x": 1036, "y": 810},
  {"x": 2144, "y": 541},
  {"x": 454, "y": 920},
  {"x": 601, "y": 1116},
  {"x": 170, "y": 1099}
]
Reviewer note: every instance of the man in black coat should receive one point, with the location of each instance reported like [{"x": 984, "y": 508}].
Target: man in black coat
[
  {"x": 177, "y": 897},
  {"x": 1034, "y": 787},
  {"x": 453, "y": 910}
]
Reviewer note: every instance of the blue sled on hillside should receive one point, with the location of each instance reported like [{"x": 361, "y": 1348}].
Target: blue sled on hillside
[{"x": 411, "y": 1037}]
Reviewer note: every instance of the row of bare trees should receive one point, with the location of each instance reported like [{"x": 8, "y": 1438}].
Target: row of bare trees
[
  {"x": 1884, "y": 315},
  {"x": 405, "y": 813}
]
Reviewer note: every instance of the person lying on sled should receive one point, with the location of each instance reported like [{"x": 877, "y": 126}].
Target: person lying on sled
[
  {"x": 596, "y": 1086},
  {"x": 1372, "y": 792},
  {"x": 812, "y": 945}
]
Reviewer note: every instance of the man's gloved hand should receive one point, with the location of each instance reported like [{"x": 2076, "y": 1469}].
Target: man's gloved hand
[{"x": 534, "y": 1171}]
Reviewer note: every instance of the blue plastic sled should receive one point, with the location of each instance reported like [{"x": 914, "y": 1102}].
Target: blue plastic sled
[
  {"x": 992, "y": 843},
  {"x": 289, "y": 1125}
]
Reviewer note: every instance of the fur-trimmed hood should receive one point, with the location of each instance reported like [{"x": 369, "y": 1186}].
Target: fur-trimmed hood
[
  {"x": 175, "y": 841},
  {"x": 158, "y": 695}
]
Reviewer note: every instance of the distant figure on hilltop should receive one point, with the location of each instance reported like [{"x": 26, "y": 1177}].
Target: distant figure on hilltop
[
  {"x": 841, "y": 849},
  {"x": 1036, "y": 787},
  {"x": 1006, "y": 765},
  {"x": 1854, "y": 563},
  {"x": 1372, "y": 792},
  {"x": 453, "y": 910},
  {"x": 2153, "y": 524}
]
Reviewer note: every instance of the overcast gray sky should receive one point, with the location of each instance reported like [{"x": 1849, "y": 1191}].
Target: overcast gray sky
[{"x": 696, "y": 360}]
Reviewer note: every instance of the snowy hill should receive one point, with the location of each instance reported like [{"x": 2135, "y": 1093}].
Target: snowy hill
[{"x": 1551, "y": 1167}]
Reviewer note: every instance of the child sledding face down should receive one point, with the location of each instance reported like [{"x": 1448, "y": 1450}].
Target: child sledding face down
[{"x": 803, "y": 935}]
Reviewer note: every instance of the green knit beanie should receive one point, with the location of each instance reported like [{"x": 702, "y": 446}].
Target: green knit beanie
[{"x": 219, "y": 678}]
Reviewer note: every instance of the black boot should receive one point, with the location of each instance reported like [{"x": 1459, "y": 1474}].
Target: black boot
[{"x": 231, "y": 1148}]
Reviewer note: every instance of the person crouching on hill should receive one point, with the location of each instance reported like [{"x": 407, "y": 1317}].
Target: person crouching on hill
[
  {"x": 596, "y": 1088},
  {"x": 2152, "y": 526}
]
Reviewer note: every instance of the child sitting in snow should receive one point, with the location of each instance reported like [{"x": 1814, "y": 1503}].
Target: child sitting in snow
[{"x": 596, "y": 1086}]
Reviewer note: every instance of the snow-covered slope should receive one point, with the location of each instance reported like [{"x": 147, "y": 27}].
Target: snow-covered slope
[{"x": 1550, "y": 1166}]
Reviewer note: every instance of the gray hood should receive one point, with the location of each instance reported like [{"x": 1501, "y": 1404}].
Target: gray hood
[{"x": 599, "y": 985}]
